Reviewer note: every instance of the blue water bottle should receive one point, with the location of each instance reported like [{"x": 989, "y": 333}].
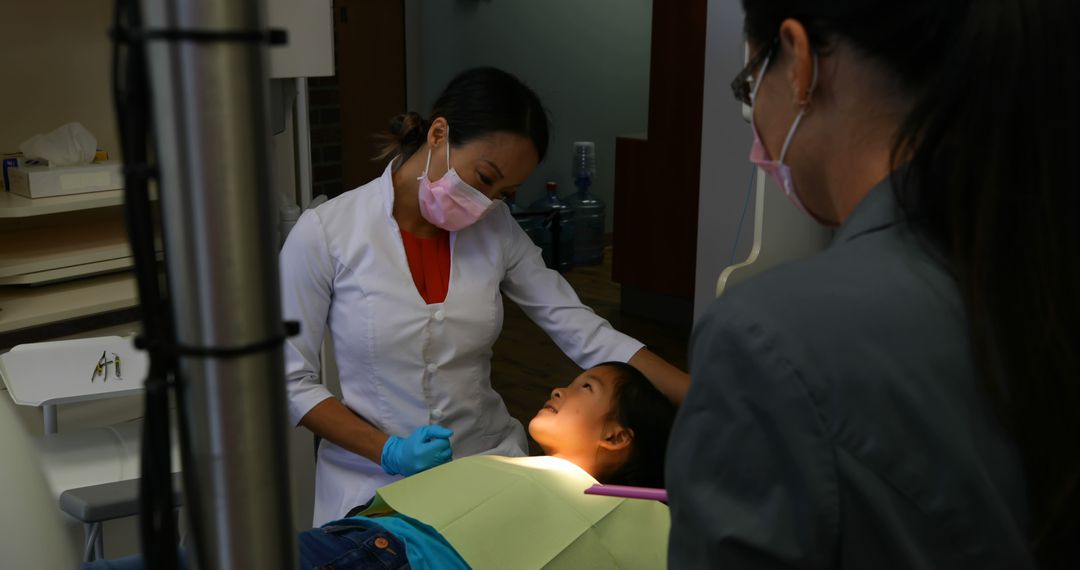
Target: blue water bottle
[
  {"x": 533, "y": 225},
  {"x": 588, "y": 208}
]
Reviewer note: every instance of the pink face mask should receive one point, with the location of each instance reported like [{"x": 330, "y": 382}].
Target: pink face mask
[
  {"x": 776, "y": 169},
  {"x": 450, "y": 203}
]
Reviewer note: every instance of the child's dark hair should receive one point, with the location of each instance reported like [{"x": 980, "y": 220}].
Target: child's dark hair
[
  {"x": 478, "y": 102},
  {"x": 641, "y": 408}
]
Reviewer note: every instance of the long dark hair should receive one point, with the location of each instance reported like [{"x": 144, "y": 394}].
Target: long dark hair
[
  {"x": 477, "y": 102},
  {"x": 992, "y": 142},
  {"x": 641, "y": 408}
]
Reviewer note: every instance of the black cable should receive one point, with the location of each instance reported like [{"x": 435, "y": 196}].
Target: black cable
[
  {"x": 131, "y": 98},
  {"x": 291, "y": 328},
  {"x": 131, "y": 95},
  {"x": 141, "y": 35}
]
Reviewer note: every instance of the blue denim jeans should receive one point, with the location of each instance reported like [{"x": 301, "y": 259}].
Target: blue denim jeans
[{"x": 360, "y": 546}]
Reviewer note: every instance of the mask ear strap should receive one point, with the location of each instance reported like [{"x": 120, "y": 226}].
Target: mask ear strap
[
  {"x": 790, "y": 135},
  {"x": 798, "y": 118},
  {"x": 448, "y": 149},
  {"x": 813, "y": 83},
  {"x": 427, "y": 164},
  {"x": 757, "y": 84}
]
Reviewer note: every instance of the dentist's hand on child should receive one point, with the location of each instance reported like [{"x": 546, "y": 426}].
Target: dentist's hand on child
[{"x": 427, "y": 447}]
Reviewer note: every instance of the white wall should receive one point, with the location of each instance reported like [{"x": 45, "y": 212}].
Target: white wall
[
  {"x": 725, "y": 150},
  {"x": 55, "y": 60},
  {"x": 786, "y": 233},
  {"x": 588, "y": 61}
]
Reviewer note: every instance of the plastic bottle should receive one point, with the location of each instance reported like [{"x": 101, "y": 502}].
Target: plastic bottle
[
  {"x": 532, "y": 225},
  {"x": 588, "y": 208},
  {"x": 511, "y": 202},
  {"x": 564, "y": 229}
]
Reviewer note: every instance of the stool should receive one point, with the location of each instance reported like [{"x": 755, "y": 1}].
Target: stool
[{"x": 95, "y": 504}]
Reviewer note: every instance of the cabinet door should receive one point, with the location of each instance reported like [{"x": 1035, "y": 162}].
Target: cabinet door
[
  {"x": 657, "y": 179},
  {"x": 310, "y": 51},
  {"x": 370, "y": 40}
]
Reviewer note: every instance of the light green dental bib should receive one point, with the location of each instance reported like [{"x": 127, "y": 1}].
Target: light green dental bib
[{"x": 530, "y": 512}]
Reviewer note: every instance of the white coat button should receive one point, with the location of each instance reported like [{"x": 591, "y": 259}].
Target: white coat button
[
  {"x": 436, "y": 414},
  {"x": 440, "y": 316},
  {"x": 432, "y": 368}
]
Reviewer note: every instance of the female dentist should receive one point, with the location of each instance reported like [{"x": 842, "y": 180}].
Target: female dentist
[
  {"x": 407, "y": 274},
  {"x": 908, "y": 398}
]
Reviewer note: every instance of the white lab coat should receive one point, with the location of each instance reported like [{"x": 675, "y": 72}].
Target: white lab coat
[{"x": 403, "y": 363}]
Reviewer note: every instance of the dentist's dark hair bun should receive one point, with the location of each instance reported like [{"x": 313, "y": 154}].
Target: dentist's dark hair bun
[
  {"x": 476, "y": 103},
  {"x": 406, "y": 134}
]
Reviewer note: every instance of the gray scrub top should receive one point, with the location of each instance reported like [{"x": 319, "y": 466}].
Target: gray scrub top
[{"x": 835, "y": 419}]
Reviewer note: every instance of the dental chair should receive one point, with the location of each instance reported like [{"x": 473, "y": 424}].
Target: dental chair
[
  {"x": 31, "y": 535},
  {"x": 782, "y": 233}
]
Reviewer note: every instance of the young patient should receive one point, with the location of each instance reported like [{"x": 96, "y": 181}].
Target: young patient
[{"x": 610, "y": 421}]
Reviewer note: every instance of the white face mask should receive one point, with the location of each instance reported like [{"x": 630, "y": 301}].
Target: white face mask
[{"x": 449, "y": 202}]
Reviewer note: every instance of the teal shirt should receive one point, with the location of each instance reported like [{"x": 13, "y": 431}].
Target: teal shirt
[{"x": 425, "y": 548}]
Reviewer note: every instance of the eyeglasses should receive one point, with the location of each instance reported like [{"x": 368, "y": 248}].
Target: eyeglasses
[{"x": 742, "y": 87}]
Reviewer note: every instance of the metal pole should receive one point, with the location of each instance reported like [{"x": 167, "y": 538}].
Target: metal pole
[
  {"x": 51, "y": 423},
  {"x": 302, "y": 140},
  {"x": 210, "y": 113}
]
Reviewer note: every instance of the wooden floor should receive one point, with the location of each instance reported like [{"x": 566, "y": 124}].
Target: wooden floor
[{"x": 527, "y": 364}]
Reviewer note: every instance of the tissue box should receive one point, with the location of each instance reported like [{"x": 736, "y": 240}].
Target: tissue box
[
  {"x": 18, "y": 160},
  {"x": 9, "y": 160},
  {"x": 47, "y": 181}
]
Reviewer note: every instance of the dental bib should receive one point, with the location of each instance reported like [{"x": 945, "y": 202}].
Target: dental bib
[{"x": 530, "y": 512}]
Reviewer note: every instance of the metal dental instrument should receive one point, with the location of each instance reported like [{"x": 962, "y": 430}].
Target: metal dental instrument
[{"x": 100, "y": 369}]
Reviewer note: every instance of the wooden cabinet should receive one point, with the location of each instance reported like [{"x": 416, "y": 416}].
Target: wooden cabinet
[
  {"x": 657, "y": 177},
  {"x": 370, "y": 38}
]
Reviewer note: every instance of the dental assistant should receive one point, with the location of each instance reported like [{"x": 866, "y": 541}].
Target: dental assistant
[
  {"x": 407, "y": 275},
  {"x": 908, "y": 397}
]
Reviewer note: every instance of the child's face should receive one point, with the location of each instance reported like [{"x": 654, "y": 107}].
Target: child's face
[{"x": 578, "y": 417}]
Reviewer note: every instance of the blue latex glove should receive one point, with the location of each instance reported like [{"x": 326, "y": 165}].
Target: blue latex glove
[{"x": 427, "y": 447}]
